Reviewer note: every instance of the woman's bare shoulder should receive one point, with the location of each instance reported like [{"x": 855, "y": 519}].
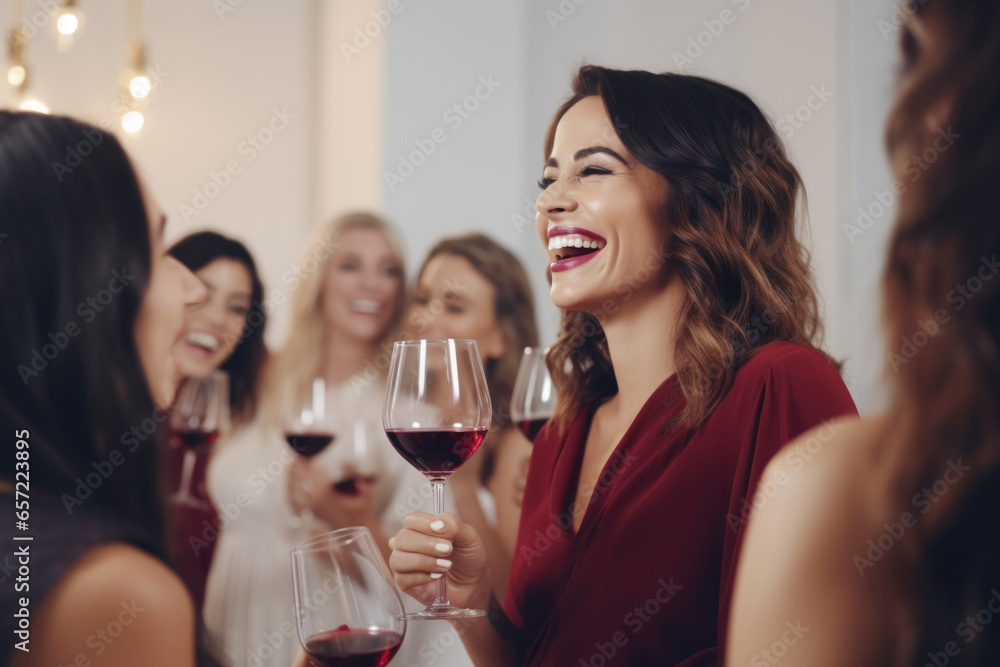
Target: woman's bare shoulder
[
  {"x": 796, "y": 567},
  {"x": 119, "y": 604}
]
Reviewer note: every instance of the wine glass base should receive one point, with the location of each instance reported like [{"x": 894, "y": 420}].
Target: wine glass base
[{"x": 443, "y": 613}]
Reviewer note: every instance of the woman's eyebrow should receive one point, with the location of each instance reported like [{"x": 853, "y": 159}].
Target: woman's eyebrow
[{"x": 585, "y": 152}]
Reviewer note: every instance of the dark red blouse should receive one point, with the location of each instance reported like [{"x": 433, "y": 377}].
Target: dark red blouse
[{"x": 647, "y": 579}]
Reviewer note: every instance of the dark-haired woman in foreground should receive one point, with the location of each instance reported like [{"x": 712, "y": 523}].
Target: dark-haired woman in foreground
[
  {"x": 690, "y": 337},
  {"x": 92, "y": 307},
  {"x": 225, "y": 330},
  {"x": 885, "y": 550}
]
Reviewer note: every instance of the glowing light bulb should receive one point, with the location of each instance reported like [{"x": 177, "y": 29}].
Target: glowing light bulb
[
  {"x": 16, "y": 75},
  {"x": 67, "y": 23},
  {"x": 34, "y": 105},
  {"x": 139, "y": 86},
  {"x": 132, "y": 122}
]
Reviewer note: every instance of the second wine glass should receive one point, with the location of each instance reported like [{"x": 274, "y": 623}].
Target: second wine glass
[
  {"x": 199, "y": 415},
  {"x": 534, "y": 397},
  {"x": 308, "y": 429},
  {"x": 437, "y": 412}
]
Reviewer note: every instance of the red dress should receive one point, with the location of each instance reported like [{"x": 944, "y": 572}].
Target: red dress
[{"x": 647, "y": 579}]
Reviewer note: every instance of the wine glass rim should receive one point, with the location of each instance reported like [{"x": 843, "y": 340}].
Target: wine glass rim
[
  {"x": 418, "y": 341},
  {"x": 338, "y": 538}
]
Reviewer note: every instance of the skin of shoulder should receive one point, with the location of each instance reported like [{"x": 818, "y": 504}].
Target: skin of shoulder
[
  {"x": 117, "y": 606},
  {"x": 799, "y": 596}
]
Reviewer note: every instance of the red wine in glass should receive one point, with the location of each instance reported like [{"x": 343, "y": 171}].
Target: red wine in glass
[
  {"x": 531, "y": 427},
  {"x": 436, "y": 451},
  {"x": 196, "y": 440},
  {"x": 309, "y": 444},
  {"x": 353, "y": 648}
]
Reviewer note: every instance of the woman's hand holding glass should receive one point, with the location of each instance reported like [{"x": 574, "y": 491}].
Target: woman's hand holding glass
[
  {"x": 431, "y": 547},
  {"x": 310, "y": 489}
]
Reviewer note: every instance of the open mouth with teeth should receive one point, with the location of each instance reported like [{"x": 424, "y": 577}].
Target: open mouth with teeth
[
  {"x": 572, "y": 250},
  {"x": 202, "y": 341},
  {"x": 366, "y": 306},
  {"x": 574, "y": 245}
]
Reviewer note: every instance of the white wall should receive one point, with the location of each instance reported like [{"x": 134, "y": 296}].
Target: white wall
[{"x": 356, "y": 114}]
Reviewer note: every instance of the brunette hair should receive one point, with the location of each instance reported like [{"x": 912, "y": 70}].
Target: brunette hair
[
  {"x": 198, "y": 250},
  {"x": 73, "y": 226},
  {"x": 731, "y": 213},
  {"x": 942, "y": 297}
]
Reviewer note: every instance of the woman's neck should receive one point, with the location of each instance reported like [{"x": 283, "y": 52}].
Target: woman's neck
[
  {"x": 344, "y": 357},
  {"x": 641, "y": 343}
]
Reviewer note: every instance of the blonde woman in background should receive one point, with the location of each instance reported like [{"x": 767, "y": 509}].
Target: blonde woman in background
[{"x": 346, "y": 311}]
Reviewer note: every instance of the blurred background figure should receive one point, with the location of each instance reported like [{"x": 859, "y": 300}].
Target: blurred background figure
[
  {"x": 347, "y": 306},
  {"x": 886, "y": 546},
  {"x": 472, "y": 287},
  {"x": 217, "y": 334},
  {"x": 85, "y": 444}
]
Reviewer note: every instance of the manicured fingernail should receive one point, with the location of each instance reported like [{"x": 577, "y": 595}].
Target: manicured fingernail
[
  {"x": 437, "y": 526},
  {"x": 443, "y": 563},
  {"x": 436, "y": 575},
  {"x": 442, "y": 547}
]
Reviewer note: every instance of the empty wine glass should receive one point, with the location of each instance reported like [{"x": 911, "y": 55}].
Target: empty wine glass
[
  {"x": 347, "y": 609},
  {"x": 199, "y": 415},
  {"x": 437, "y": 412},
  {"x": 534, "y": 397}
]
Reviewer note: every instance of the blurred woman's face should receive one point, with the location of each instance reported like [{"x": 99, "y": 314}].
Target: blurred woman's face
[
  {"x": 453, "y": 300},
  {"x": 926, "y": 44},
  {"x": 601, "y": 215},
  {"x": 363, "y": 282},
  {"x": 161, "y": 316},
  {"x": 213, "y": 328}
]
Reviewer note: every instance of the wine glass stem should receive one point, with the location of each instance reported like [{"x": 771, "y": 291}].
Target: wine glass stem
[
  {"x": 187, "y": 472},
  {"x": 437, "y": 485}
]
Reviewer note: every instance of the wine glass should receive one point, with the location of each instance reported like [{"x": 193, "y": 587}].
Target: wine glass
[
  {"x": 200, "y": 413},
  {"x": 364, "y": 462},
  {"x": 437, "y": 412},
  {"x": 534, "y": 397},
  {"x": 308, "y": 429},
  {"x": 347, "y": 609}
]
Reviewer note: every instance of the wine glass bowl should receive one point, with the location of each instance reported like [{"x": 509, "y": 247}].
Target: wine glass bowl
[
  {"x": 534, "y": 398},
  {"x": 347, "y": 610},
  {"x": 199, "y": 414},
  {"x": 307, "y": 425},
  {"x": 437, "y": 413}
]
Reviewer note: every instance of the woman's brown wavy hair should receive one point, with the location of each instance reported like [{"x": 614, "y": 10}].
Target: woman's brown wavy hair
[
  {"x": 731, "y": 213},
  {"x": 942, "y": 296}
]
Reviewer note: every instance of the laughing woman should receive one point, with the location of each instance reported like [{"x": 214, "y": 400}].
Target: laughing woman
[{"x": 691, "y": 339}]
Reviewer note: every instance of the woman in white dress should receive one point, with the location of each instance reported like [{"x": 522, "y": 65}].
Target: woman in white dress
[{"x": 348, "y": 302}]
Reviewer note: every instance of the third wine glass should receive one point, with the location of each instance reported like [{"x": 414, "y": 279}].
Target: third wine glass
[{"x": 534, "y": 398}]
